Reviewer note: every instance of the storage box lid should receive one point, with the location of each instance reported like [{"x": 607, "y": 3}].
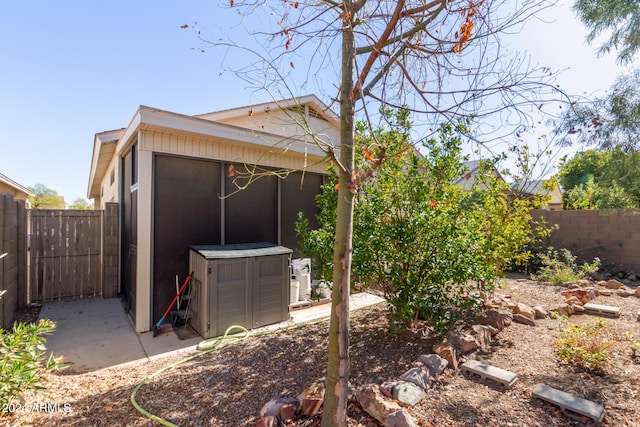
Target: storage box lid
[{"x": 241, "y": 250}]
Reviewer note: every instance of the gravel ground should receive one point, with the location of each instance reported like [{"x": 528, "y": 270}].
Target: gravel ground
[{"x": 228, "y": 387}]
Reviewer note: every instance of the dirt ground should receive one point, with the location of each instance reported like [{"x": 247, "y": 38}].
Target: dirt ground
[{"x": 228, "y": 387}]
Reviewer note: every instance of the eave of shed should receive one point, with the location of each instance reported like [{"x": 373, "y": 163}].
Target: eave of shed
[
  {"x": 308, "y": 100},
  {"x": 104, "y": 147}
]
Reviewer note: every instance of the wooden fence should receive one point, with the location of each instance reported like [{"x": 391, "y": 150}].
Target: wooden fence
[
  {"x": 73, "y": 254},
  {"x": 13, "y": 280}
]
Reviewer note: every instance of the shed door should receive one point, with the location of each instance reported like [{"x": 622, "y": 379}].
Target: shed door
[
  {"x": 186, "y": 212},
  {"x": 270, "y": 290},
  {"x": 229, "y": 302},
  {"x": 129, "y": 231}
]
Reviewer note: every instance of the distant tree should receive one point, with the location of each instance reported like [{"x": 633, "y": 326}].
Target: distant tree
[
  {"x": 601, "y": 179},
  {"x": 593, "y": 196},
  {"x": 609, "y": 121},
  {"x": 620, "y": 17},
  {"x": 80, "y": 204},
  {"x": 45, "y": 198}
]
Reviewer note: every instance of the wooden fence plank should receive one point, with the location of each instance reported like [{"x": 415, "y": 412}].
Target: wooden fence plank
[{"x": 67, "y": 254}]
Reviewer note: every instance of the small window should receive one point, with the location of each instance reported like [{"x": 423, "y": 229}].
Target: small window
[
  {"x": 134, "y": 164},
  {"x": 112, "y": 178}
]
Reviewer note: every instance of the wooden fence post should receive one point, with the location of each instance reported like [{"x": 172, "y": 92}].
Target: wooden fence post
[
  {"x": 9, "y": 265},
  {"x": 110, "y": 250}
]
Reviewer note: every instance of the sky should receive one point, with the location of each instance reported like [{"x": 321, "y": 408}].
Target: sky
[{"x": 72, "y": 69}]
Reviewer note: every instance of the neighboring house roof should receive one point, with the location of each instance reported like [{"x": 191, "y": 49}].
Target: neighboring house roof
[
  {"x": 260, "y": 124},
  {"x": 15, "y": 186},
  {"x": 534, "y": 187},
  {"x": 469, "y": 178}
]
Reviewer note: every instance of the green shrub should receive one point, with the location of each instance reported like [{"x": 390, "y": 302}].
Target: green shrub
[
  {"x": 432, "y": 248},
  {"x": 559, "y": 267},
  {"x": 634, "y": 345},
  {"x": 585, "y": 345},
  {"x": 22, "y": 361}
]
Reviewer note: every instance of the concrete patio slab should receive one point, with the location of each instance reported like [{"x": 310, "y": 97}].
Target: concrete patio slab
[{"x": 94, "y": 334}]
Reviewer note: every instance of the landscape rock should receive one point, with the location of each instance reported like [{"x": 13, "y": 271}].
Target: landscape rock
[
  {"x": 417, "y": 376},
  {"x": 387, "y": 388},
  {"x": 400, "y": 418},
  {"x": 462, "y": 342},
  {"x": 578, "y": 309},
  {"x": 565, "y": 310},
  {"x": 310, "y": 406},
  {"x": 433, "y": 363},
  {"x": 614, "y": 284},
  {"x": 448, "y": 353},
  {"x": 584, "y": 282},
  {"x": 574, "y": 286},
  {"x": 408, "y": 394},
  {"x": 519, "y": 318},
  {"x": 494, "y": 331},
  {"x": 541, "y": 313},
  {"x": 524, "y": 310},
  {"x": 637, "y": 292},
  {"x": 268, "y": 421},
  {"x": 573, "y": 301},
  {"x": 582, "y": 295},
  {"x": 497, "y": 319},
  {"x": 605, "y": 292},
  {"x": 482, "y": 333},
  {"x": 287, "y": 412},
  {"x": 375, "y": 403},
  {"x": 272, "y": 407},
  {"x": 625, "y": 292}
]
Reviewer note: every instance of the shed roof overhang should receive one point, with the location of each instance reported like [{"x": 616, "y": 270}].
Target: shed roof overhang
[
  {"x": 104, "y": 147},
  {"x": 116, "y": 142}
]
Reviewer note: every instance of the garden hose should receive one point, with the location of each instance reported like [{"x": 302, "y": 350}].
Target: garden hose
[
  {"x": 207, "y": 346},
  {"x": 215, "y": 346}
]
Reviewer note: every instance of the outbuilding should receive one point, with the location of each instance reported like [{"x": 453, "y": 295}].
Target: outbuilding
[{"x": 236, "y": 176}]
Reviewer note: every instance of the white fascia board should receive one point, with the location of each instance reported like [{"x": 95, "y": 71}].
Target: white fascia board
[
  {"x": 233, "y": 134},
  {"x": 102, "y": 138},
  {"x": 321, "y": 108}
]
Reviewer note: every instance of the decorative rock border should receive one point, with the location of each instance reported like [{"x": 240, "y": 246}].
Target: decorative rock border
[{"x": 388, "y": 401}]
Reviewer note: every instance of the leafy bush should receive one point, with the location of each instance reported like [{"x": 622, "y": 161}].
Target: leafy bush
[
  {"x": 634, "y": 345},
  {"x": 559, "y": 267},
  {"x": 585, "y": 345},
  {"x": 21, "y": 359},
  {"x": 431, "y": 247}
]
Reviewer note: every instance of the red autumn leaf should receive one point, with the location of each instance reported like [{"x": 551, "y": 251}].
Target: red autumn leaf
[
  {"x": 434, "y": 204},
  {"x": 368, "y": 154},
  {"x": 231, "y": 170},
  {"x": 185, "y": 26},
  {"x": 292, "y": 64},
  {"x": 337, "y": 186},
  {"x": 231, "y": 3}
]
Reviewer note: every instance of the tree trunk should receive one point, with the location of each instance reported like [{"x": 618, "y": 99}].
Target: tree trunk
[{"x": 335, "y": 401}]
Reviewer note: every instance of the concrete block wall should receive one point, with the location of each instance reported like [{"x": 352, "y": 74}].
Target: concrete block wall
[{"x": 613, "y": 235}]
